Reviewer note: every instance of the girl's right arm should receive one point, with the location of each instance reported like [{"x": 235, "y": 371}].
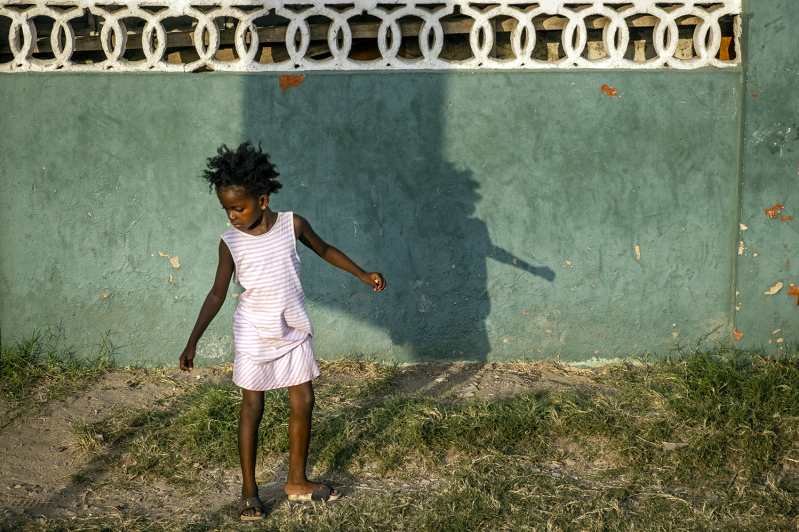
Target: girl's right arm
[{"x": 213, "y": 302}]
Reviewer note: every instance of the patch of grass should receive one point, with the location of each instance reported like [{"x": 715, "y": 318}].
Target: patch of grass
[
  {"x": 46, "y": 367},
  {"x": 505, "y": 496},
  {"x": 371, "y": 378},
  {"x": 118, "y": 523},
  {"x": 201, "y": 428},
  {"x": 737, "y": 411}
]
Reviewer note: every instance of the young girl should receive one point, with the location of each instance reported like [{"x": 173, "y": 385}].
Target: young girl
[{"x": 270, "y": 326}]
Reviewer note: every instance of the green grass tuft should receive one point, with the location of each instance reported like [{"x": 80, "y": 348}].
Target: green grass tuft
[{"x": 45, "y": 367}]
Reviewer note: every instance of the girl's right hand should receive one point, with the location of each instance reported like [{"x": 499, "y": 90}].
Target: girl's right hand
[{"x": 187, "y": 358}]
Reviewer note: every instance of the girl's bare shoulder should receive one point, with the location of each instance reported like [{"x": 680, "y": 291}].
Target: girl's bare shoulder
[
  {"x": 299, "y": 219},
  {"x": 299, "y": 224}
]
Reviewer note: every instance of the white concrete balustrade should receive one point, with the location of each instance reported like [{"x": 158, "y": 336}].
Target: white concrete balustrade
[{"x": 391, "y": 22}]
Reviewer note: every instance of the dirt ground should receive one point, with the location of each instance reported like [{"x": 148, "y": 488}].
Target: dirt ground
[{"x": 39, "y": 451}]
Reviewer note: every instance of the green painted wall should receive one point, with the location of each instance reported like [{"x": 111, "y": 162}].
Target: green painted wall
[
  {"x": 535, "y": 186},
  {"x": 770, "y": 177},
  {"x": 476, "y": 170},
  {"x": 97, "y": 178},
  {"x": 503, "y": 208}
]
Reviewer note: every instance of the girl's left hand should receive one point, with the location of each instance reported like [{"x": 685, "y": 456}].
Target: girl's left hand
[{"x": 375, "y": 280}]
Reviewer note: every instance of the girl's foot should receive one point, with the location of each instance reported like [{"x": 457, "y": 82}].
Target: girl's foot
[
  {"x": 306, "y": 490},
  {"x": 255, "y": 512},
  {"x": 248, "y": 506}
]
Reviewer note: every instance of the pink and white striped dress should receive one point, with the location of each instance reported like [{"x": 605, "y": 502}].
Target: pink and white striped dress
[{"x": 270, "y": 326}]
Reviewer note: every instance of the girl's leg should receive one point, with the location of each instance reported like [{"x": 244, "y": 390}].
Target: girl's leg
[
  {"x": 252, "y": 410},
  {"x": 301, "y": 399}
]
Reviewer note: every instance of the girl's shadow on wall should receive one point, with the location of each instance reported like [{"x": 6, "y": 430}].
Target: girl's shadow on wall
[
  {"x": 362, "y": 157},
  {"x": 419, "y": 228}
]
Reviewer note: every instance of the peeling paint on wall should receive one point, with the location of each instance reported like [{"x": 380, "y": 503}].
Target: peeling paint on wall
[
  {"x": 774, "y": 289},
  {"x": 738, "y": 334},
  {"x": 174, "y": 261},
  {"x": 288, "y": 81},
  {"x": 774, "y": 211},
  {"x": 637, "y": 252},
  {"x": 794, "y": 291},
  {"x": 610, "y": 91}
]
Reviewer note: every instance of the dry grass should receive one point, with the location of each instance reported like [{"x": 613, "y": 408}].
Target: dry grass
[{"x": 541, "y": 461}]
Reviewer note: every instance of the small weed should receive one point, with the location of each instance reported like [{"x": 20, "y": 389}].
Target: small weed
[
  {"x": 86, "y": 439},
  {"x": 80, "y": 478}
]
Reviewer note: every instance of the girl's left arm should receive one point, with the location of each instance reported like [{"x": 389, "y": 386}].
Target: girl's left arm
[{"x": 305, "y": 234}]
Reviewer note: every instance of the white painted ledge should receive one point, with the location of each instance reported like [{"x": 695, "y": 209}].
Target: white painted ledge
[{"x": 615, "y": 19}]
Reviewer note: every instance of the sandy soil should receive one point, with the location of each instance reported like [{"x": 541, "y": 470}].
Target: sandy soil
[{"x": 39, "y": 450}]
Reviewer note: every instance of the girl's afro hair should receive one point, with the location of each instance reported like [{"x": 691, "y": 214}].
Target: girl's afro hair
[{"x": 244, "y": 167}]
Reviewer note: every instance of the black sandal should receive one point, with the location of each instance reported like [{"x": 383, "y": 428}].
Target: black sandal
[
  {"x": 252, "y": 502},
  {"x": 320, "y": 493}
]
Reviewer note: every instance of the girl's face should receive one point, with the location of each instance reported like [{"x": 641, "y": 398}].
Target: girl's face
[{"x": 244, "y": 211}]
